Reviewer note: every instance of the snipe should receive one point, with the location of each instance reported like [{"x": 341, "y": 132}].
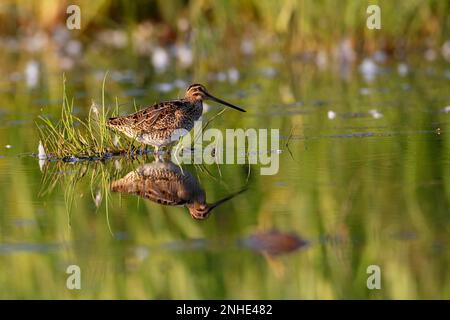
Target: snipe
[
  {"x": 165, "y": 183},
  {"x": 159, "y": 125}
]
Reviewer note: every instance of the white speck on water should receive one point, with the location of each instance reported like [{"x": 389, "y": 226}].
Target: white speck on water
[
  {"x": 446, "y": 50},
  {"x": 233, "y": 75},
  {"x": 247, "y": 47},
  {"x": 74, "y": 48},
  {"x": 141, "y": 253},
  {"x": 98, "y": 198},
  {"x": 180, "y": 84},
  {"x": 375, "y": 114},
  {"x": 379, "y": 56},
  {"x": 430, "y": 55},
  {"x": 114, "y": 37},
  {"x": 42, "y": 156},
  {"x": 160, "y": 59},
  {"x": 221, "y": 76},
  {"x": 369, "y": 69},
  {"x": 365, "y": 91},
  {"x": 32, "y": 74},
  {"x": 42, "y": 164},
  {"x": 183, "y": 24},
  {"x": 61, "y": 35},
  {"x": 66, "y": 63},
  {"x": 184, "y": 56},
  {"x": 164, "y": 87},
  {"x": 269, "y": 72},
  {"x": 8, "y": 146},
  {"x": 331, "y": 114},
  {"x": 41, "y": 151},
  {"x": 345, "y": 51},
  {"x": 36, "y": 42},
  {"x": 446, "y": 109},
  {"x": 402, "y": 69},
  {"x": 322, "y": 59}
]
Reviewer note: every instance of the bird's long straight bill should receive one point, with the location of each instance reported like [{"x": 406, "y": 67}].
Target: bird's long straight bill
[
  {"x": 224, "y": 102},
  {"x": 231, "y": 196}
]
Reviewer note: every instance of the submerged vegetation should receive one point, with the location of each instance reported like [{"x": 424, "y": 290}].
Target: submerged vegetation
[{"x": 365, "y": 179}]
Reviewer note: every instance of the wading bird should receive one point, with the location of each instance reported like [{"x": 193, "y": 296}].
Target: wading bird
[
  {"x": 164, "y": 123},
  {"x": 165, "y": 183}
]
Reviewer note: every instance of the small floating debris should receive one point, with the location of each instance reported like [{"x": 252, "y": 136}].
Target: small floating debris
[
  {"x": 221, "y": 76},
  {"x": 180, "y": 84},
  {"x": 8, "y": 146},
  {"x": 379, "y": 56},
  {"x": 445, "y": 51},
  {"x": 247, "y": 47},
  {"x": 32, "y": 74},
  {"x": 184, "y": 56},
  {"x": 375, "y": 114},
  {"x": 430, "y": 55},
  {"x": 269, "y": 72},
  {"x": 42, "y": 156},
  {"x": 233, "y": 75},
  {"x": 164, "y": 87},
  {"x": 331, "y": 115},
  {"x": 98, "y": 198},
  {"x": 274, "y": 242},
  {"x": 321, "y": 59},
  {"x": 160, "y": 59},
  {"x": 402, "y": 69},
  {"x": 369, "y": 69},
  {"x": 365, "y": 91},
  {"x": 345, "y": 51},
  {"x": 446, "y": 109}
]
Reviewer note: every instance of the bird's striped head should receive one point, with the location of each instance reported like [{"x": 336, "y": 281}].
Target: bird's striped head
[{"x": 196, "y": 92}]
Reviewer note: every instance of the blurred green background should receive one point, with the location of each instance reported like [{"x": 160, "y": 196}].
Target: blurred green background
[{"x": 364, "y": 150}]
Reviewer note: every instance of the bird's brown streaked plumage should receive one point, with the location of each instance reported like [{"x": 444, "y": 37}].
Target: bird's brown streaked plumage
[
  {"x": 167, "y": 184},
  {"x": 157, "y": 125}
]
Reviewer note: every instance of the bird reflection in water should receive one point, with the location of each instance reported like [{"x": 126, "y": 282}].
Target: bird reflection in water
[{"x": 166, "y": 183}]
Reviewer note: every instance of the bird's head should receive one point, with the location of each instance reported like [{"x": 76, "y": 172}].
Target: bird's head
[{"x": 197, "y": 92}]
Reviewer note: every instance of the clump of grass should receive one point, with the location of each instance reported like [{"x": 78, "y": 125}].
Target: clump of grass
[{"x": 73, "y": 138}]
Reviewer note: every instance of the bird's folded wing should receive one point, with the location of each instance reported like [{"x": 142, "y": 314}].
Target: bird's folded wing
[{"x": 157, "y": 117}]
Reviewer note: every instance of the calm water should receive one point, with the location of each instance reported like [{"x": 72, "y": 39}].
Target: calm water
[{"x": 365, "y": 180}]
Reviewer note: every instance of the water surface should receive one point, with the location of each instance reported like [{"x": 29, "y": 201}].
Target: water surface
[{"x": 364, "y": 179}]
